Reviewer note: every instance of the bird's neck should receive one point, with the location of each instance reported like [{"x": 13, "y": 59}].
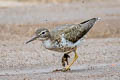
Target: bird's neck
[{"x": 47, "y": 43}]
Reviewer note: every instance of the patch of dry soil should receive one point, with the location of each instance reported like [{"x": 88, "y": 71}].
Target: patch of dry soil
[{"x": 98, "y": 59}]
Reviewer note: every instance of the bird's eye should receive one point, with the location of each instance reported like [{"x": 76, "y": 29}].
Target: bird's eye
[{"x": 43, "y": 33}]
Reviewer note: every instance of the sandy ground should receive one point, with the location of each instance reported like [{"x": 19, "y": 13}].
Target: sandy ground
[
  {"x": 99, "y": 55},
  {"x": 99, "y": 59}
]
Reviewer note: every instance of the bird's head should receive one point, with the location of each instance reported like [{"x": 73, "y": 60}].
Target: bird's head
[{"x": 41, "y": 34}]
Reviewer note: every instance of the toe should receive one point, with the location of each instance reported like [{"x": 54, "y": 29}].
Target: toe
[
  {"x": 64, "y": 69},
  {"x": 61, "y": 70}
]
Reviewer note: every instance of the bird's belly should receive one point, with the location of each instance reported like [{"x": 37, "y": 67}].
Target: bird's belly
[
  {"x": 62, "y": 46},
  {"x": 63, "y": 49}
]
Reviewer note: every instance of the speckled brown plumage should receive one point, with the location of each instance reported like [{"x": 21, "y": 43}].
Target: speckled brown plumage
[
  {"x": 73, "y": 32},
  {"x": 64, "y": 38}
]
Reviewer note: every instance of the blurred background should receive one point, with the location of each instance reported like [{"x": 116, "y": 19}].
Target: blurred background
[{"x": 20, "y": 18}]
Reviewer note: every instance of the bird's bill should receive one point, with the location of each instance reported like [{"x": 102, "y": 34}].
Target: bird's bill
[{"x": 34, "y": 38}]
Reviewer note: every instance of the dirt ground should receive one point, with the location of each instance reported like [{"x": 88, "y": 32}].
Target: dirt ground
[
  {"x": 99, "y": 55},
  {"x": 99, "y": 59}
]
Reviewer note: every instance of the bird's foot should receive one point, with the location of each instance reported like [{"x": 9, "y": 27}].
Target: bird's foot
[
  {"x": 65, "y": 59},
  {"x": 64, "y": 69},
  {"x": 61, "y": 70}
]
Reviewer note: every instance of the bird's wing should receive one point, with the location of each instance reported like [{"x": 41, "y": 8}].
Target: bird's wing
[
  {"x": 59, "y": 30},
  {"x": 73, "y": 32}
]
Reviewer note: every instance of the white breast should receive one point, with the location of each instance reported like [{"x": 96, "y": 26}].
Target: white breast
[{"x": 47, "y": 43}]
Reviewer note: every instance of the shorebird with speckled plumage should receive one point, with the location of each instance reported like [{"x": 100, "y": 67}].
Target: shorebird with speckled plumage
[{"x": 64, "y": 38}]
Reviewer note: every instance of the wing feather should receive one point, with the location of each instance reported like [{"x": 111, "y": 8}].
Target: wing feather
[{"x": 73, "y": 32}]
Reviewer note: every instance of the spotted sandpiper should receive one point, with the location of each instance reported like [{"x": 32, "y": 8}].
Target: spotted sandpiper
[{"x": 64, "y": 38}]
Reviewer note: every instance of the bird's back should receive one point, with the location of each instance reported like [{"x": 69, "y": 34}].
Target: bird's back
[{"x": 73, "y": 32}]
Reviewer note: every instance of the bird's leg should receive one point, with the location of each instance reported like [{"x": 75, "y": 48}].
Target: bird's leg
[
  {"x": 75, "y": 58},
  {"x": 68, "y": 66},
  {"x": 65, "y": 59}
]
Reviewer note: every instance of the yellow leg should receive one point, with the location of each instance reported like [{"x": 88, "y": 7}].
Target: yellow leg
[
  {"x": 75, "y": 58},
  {"x": 68, "y": 66}
]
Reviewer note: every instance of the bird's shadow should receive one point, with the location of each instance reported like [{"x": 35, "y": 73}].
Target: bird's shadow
[
  {"x": 82, "y": 69},
  {"x": 72, "y": 70}
]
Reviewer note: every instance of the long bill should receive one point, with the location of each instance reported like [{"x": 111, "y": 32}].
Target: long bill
[{"x": 34, "y": 38}]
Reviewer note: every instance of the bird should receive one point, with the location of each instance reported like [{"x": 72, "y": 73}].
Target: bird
[{"x": 65, "y": 39}]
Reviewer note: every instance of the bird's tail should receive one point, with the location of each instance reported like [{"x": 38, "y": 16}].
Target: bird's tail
[{"x": 88, "y": 24}]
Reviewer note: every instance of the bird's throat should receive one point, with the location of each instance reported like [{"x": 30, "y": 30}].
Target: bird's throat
[{"x": 47, "y": 43}]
